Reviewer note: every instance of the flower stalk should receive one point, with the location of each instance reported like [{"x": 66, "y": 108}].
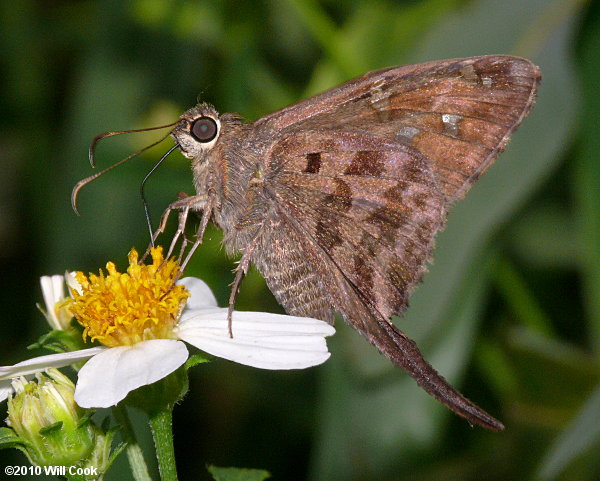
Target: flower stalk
[{"x": 161, "y": 424}]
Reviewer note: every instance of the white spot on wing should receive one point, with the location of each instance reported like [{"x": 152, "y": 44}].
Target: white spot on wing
[
  {"x": 407, "y": 132},
  {"x": 380, "y": 100},
  {"x": 451, "y": 124},
  {"x": 468, "y": 72},
  {"x": 377, "y": 93}
]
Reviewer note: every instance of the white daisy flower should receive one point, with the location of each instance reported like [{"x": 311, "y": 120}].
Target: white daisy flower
[{"x": 141, "y": 319}]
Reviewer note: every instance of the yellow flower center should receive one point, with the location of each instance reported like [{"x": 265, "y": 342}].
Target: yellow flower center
[{"x": 127, "y": 308}]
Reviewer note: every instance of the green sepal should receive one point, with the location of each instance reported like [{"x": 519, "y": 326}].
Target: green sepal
[
  {"x": 164, "y": 394},
  {"x": 9, "y": 440},
  {"x": 195, "y": 359},
  {"x": 62, "y": 341},
  {"x": 86, "y": 419},
  {"x": 50, "y": 430},
  {"x": 109, "y": 454},
  {"x": 75, "y": 477},
  {"x": 112, "y": 452},
  {"x": 118, "y": 449},
  {"x": 161, "y": 395}
]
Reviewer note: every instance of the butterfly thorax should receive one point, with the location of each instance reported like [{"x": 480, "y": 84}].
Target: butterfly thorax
[
  {"x": 228, "y": 170},
  {"x": 237, "y": 177}
]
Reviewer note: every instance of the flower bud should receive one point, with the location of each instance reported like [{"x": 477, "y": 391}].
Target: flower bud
[{"x": 51, "y": 428}]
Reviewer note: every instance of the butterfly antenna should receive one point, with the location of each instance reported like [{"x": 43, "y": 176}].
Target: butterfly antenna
[
  {"x": 91, "y": 154},
  {"x": 143, "y": 184}
]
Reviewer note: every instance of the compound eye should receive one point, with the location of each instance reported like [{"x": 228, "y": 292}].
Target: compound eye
[{"x": 205, "y": 129}]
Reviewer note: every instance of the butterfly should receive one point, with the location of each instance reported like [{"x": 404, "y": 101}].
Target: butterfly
[{"x": 337, "y": 199}]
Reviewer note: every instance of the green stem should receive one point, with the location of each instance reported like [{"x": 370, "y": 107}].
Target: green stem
[
  {"x": 161, "y": 424},
  {"x": 139, "y": 469}
]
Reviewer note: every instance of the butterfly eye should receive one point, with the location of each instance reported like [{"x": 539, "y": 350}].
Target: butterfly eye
[{"x": 204, "y": 129}]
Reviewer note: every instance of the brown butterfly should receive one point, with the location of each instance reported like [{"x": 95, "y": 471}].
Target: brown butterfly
[{"x": 337, "y": 199}]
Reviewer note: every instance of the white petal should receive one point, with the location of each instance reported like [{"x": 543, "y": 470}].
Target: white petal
[
  {"x": 53, "y": 291},
  {"x": 37, "y": 364},
  {"x": 5, "y": 389},
  {"x": 194, "y": 315},
  {"x": 110, "y": 376},
  {"x": 267, "y": 341},
  {"x": 201, "y": 295},
  {"x": 73, "y": 283}
]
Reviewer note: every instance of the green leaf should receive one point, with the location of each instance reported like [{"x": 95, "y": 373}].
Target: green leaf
[
  {"x": 238, "y": 474},
  {"x": 547, "y": 400},
  {"x": 8, "y": 438},
  {"x": 586, "y": 181},
  {"x": 520, "y": 298},
  {"x": 579, "y": 437},
  {"x": 323, "y": 29}
]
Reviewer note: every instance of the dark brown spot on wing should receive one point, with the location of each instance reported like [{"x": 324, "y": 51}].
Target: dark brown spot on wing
[
  {"x": 367, "y": 162},
  {"x": 313, "y": 164}
]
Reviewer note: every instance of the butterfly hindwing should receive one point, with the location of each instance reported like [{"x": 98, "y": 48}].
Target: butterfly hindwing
[
  {"x": 348, "y": 274},
  {"x": 290, "y": 273},
  {"x": 375, "y": 224}
]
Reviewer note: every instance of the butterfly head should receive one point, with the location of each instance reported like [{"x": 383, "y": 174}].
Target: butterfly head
[{"x": 197, "y": 131}]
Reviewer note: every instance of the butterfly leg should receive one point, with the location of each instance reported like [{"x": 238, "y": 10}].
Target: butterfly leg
[
  {"x": 206, "y": 212},
  {"x": 183, "y": 215},
  {"x": 240, "y": 271},
  {"x": 184, "y": 205}
]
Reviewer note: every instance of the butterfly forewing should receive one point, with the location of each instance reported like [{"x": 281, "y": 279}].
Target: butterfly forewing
[{"x": 458, "y": 113}]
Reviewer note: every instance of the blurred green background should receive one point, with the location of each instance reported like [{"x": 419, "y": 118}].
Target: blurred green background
[{"x": 510, "y": 311}]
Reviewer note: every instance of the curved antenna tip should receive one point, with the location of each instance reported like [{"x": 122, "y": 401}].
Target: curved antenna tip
[
  {"x": 74, "y": 193},
  {"x": 92, "y": 149}
]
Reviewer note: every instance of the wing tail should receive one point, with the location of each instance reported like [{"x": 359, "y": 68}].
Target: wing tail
[{"x": 404, "y": 353}]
